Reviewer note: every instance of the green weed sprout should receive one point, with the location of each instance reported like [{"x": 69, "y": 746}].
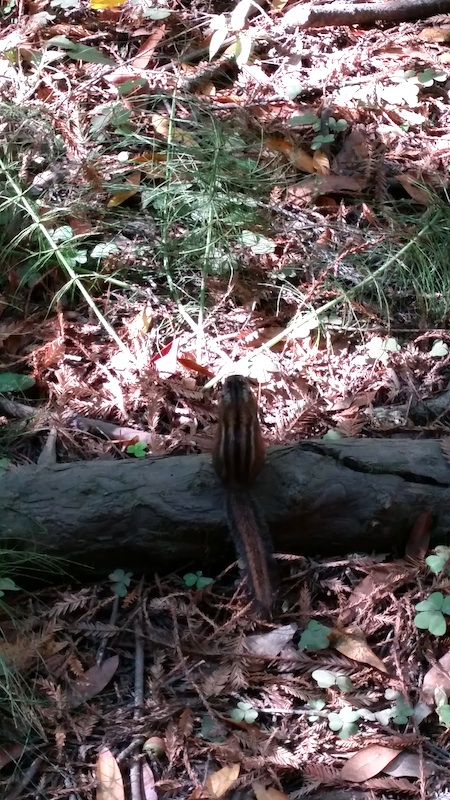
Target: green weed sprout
[{"x": 431, "y": 613}]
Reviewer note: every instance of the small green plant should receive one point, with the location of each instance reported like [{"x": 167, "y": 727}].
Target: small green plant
[
  {"x": 325, "y": 679},
  {"x": 442, "y": 706},
  {"x": 314, "y": 637},
  {"x": 137, "y": 450},
  {"x": 437, "y": 562},
  {"x": 15, "y": 382},
  {"x": 400, "y": 711},
  {"x": 344, "y": 722},
  {"x": 379, "y": 348},
  {"x": 429, "y": 76},
  {"x": 334, "y": 126},
  {"x": 316, "y": 705},
  {"x": 244, "y": 712},
  {"x": 120, "y": 582},
  {"x": 8, "y": 585},
  {"x": 431, "y": 612},
  {"x": 211, "y": 730},
  {"x": 196, "y": 580}
]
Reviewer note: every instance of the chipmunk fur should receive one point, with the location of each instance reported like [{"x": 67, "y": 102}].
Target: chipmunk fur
[{"x": 238, "y": 457}]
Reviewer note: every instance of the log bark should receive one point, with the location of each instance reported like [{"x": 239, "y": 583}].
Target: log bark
[
  {"x": 336, "y": 13},
  {"x": 159, "y": 514}
]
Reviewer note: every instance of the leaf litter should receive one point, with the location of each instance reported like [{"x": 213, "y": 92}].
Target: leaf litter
[{"x": 386, "y": 88}]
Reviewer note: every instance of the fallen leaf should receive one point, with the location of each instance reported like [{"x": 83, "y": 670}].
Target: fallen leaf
[
  {"x": 166, "y": 361},
  {"x": 409, "y": 765},
  {"x": 220, "y": 782},
  {"x": 315, "y": 185},
  {"x": 141, "y": 323},
  {"x": 416, "y": 188},
  {"x": 352, "y": 643},
  {"x": 419, "y": 538},
  {"x": 109, "y": 778},
  {"x": 147, "y": 48},
  {"x": 164, "y": 128},
  {"x": 297, "y": 156},
  {"x": 437, "y": 677},
  {"x": 278, "y": 5},
  {"x": 321, "y": 162},
  {"x": 148, "y": 783},
  {"x": 435, "y": 35},
  {"x": 11, "y": 752},
  {"x": 270, "y": 644},
  {"x": 133, "y": 181},
  {"x": 189, "y": 363},
  {"x": 93, "y": 682},
  {"x": 269, "y": 793},
  {"x": 367, "y": 763},
  {"x": 238, "y": 16}
]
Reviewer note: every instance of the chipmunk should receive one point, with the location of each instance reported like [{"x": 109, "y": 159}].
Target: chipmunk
[{"x": 238, "y": 457}]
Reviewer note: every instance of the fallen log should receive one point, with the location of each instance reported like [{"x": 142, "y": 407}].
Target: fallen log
[
  {"x": 163, "y": 513},
  {"x": 308, "y": 15}
]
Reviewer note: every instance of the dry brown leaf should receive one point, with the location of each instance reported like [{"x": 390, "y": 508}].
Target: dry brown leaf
[
  {"x": 133, "y": 181},
  {"x": 207, "y": 89},
  {"x": 367, "y": 763},
  {"x": 12, "y": 752},
  {"x": 365, "y": 588},
  {"x": 269, "y": 793},
  {"x": 148, "y": 782},
  {"x": 109, "y": 778},
  {"x": 270, "y": 644},
  {"x": 356, "y": 401},
  {"x": 141, "y": 323},
  {"x": 352, "y": 643},
  {"x": 163, "y": 127},
  {"x": 321, "y": 162},
  {"x": 419, "y": 538},
  {"x": 296, "y": 155},
  {"x": 409, "y": 765},
  {"x": 146, "y": 50},
  {"x": 435, "y": 35},
  {"x": 80, "y": 225},
  {"x": 438, "y": 677},
  {"x": 278, "y": 5},
  {"x": 93, "y": 682},
  {"x": 220, "y": 782},
  {"x": 261, "y": 336},
  {"x": 315, "y": 185},
  {"x": 368, "y": 215},
  {"x": 189, "y": 363},
  {"x": 414, "y": 184}
]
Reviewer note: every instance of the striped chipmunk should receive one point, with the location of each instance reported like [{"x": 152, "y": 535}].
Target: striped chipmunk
[{"x": 238, "y": 457}]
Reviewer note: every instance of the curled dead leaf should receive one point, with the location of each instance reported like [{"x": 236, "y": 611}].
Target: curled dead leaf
[
  {"x": 352, "y": 643},
  {"x": 220, "y": 782},
  {"x": 367, "y": 763},
  {"x": 109, "y": 778}
]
